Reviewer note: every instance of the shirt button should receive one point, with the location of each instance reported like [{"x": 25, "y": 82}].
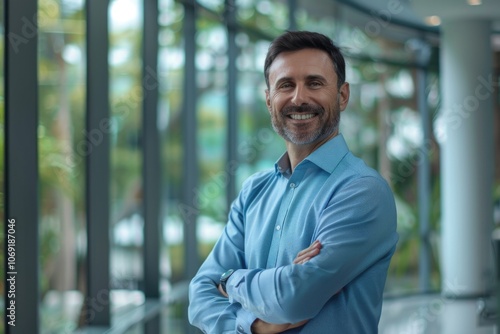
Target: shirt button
[
  {"x": 292, "y": 185},
  {"x": 240, "y": 329},
  {"x": 278, "y": 228}
]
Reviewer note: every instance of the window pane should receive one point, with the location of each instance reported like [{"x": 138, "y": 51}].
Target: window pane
[
  {"x": 171, "y": 78},
  {"x": 268, "y": 17},
  {"x": 171, "y": 72},
  {"x": 258, "y": 145},
  {"x": 126, "y": 96},
  {"x": 61, "y": 66},
  {"x": 359, "y": 34},
  {"x": 211, "y": 66},
  {"x": 382, "y": 125},
  {"x": 215, "y": 5}
]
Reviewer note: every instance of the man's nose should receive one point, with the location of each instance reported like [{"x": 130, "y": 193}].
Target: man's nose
[{"x": 299, "y": 96}]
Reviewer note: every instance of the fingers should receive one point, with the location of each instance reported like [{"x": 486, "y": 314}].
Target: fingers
[
  {"x": 298, "y": 324},
  {"x": 262, "y": 327},
  {"x": 219, "y": 287},
  {"x": 308, "y": 253}
]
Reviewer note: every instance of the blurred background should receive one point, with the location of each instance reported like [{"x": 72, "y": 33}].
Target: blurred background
[{"x": 416, "y": 114}]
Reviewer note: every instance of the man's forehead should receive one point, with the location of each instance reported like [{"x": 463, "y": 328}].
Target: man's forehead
[{"x": 301, "y": 64}]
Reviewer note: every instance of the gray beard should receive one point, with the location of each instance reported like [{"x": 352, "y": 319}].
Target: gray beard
[{"x": 323, "y": 132}]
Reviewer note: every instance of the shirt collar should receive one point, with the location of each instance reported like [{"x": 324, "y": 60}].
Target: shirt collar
[
  {"x": 326, "y": 157},
  {"x": 283, "y": 165}
]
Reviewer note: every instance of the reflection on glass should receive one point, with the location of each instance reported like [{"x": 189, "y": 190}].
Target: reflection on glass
[{"x": 62, "y": 151}]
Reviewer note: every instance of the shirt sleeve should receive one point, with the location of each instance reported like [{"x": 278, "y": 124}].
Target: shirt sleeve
[
  {"x": 208, "y": 309},
  {"x": 357, "y": 230}
]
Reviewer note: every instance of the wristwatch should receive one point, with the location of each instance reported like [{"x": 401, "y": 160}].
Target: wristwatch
[{"x": 224, "y": 277}]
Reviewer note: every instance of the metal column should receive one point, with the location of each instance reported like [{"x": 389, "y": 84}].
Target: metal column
[
  {"x": 151, "y": 177},
  {"x": 232, "y": 105},
  {"x": 190, "y": 148},
  {"x": 97, "y": 165},
  {"x": 189, "y": 139},
  {"x": 21, "y": 167},
  {"x": 292, "y": 15},
  {"x": 424, "y": 171}
]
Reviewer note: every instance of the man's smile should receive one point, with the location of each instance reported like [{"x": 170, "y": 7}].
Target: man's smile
[{"x": 301, "y": 116}]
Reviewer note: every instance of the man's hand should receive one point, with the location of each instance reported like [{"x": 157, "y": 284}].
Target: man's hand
[
  {"x": 308, "y": 253},
  {"x": 262, "y": 327},
  {"x": 219, "y": 287}
]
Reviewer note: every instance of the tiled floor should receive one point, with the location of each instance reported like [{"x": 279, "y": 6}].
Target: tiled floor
[{"x": 432, "y": 314}]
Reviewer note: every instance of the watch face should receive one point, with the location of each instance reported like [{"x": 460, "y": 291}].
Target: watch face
[{"x": 226, "y": 275}]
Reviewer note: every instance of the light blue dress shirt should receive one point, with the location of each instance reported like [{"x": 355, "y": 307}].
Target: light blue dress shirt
[{"x": 331, "y": 196}]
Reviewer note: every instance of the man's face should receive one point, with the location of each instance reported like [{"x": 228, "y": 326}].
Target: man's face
[{"x": 303, "y": 98}]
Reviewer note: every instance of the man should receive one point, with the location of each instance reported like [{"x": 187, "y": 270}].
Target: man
[{"x": 307, "y": 245}]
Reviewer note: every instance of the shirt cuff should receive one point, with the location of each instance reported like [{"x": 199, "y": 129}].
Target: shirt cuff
[{"x": 244, "y": 321}]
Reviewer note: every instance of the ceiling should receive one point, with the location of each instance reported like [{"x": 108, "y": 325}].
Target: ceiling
[
  {"x": 417, "y": 13},
  {"x": 416, "y": 10}
]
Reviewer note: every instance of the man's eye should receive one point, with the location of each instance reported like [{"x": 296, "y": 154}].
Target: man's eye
[
  {"x": 315, "y": 84},
  {"x": 286, "y": 85}
]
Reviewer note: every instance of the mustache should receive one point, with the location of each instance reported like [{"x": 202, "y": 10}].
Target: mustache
[{"x": 304, "y": 108}]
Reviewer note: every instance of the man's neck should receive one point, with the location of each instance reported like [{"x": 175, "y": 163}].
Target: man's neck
[{"x": 297, "y": 153}]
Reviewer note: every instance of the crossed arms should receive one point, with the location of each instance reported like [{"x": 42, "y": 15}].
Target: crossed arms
[
  {"x": 353, "y": 239},
  {"x": 262, "y": 327}
]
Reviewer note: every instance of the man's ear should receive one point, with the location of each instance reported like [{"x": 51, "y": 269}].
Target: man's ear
[
  {"x": 344, "y": 93},
  {"x": 268, "y": 101}
]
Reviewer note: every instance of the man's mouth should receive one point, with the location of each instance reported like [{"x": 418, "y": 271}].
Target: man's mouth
[{"x": 301, "y": 116}]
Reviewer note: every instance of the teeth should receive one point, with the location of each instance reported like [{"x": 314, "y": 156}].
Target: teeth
[{"x": 301, "y": 116}]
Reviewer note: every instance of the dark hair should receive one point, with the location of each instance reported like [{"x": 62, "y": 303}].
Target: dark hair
[{"x": 298, "y": 40}]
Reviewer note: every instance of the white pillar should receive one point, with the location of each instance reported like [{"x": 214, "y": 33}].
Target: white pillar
[{"x": 466, "y": 157}]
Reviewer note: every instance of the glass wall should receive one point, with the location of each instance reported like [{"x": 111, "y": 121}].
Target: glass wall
[
  {"x": 170, "y": 74},
  {"x": 258, "y": 145},
  {"x": 171, "y": 79},
  {"x": 382, "y": 125},
  {"x": 62, "y": 152},
  {"x": 211, "y": 80},
  {"x": 126, "y": 96}
]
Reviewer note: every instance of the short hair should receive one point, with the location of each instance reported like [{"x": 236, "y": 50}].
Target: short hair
[{"x": 298, "y": 40}]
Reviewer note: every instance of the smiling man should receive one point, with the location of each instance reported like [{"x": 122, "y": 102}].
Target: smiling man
[{"x": 307, "y": 245}]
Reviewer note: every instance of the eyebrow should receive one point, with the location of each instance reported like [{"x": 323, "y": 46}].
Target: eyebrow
[{"x": 310, "y": 77}]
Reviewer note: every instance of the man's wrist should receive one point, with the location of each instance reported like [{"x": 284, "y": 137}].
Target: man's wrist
[{"x": 223, "y": 279}]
